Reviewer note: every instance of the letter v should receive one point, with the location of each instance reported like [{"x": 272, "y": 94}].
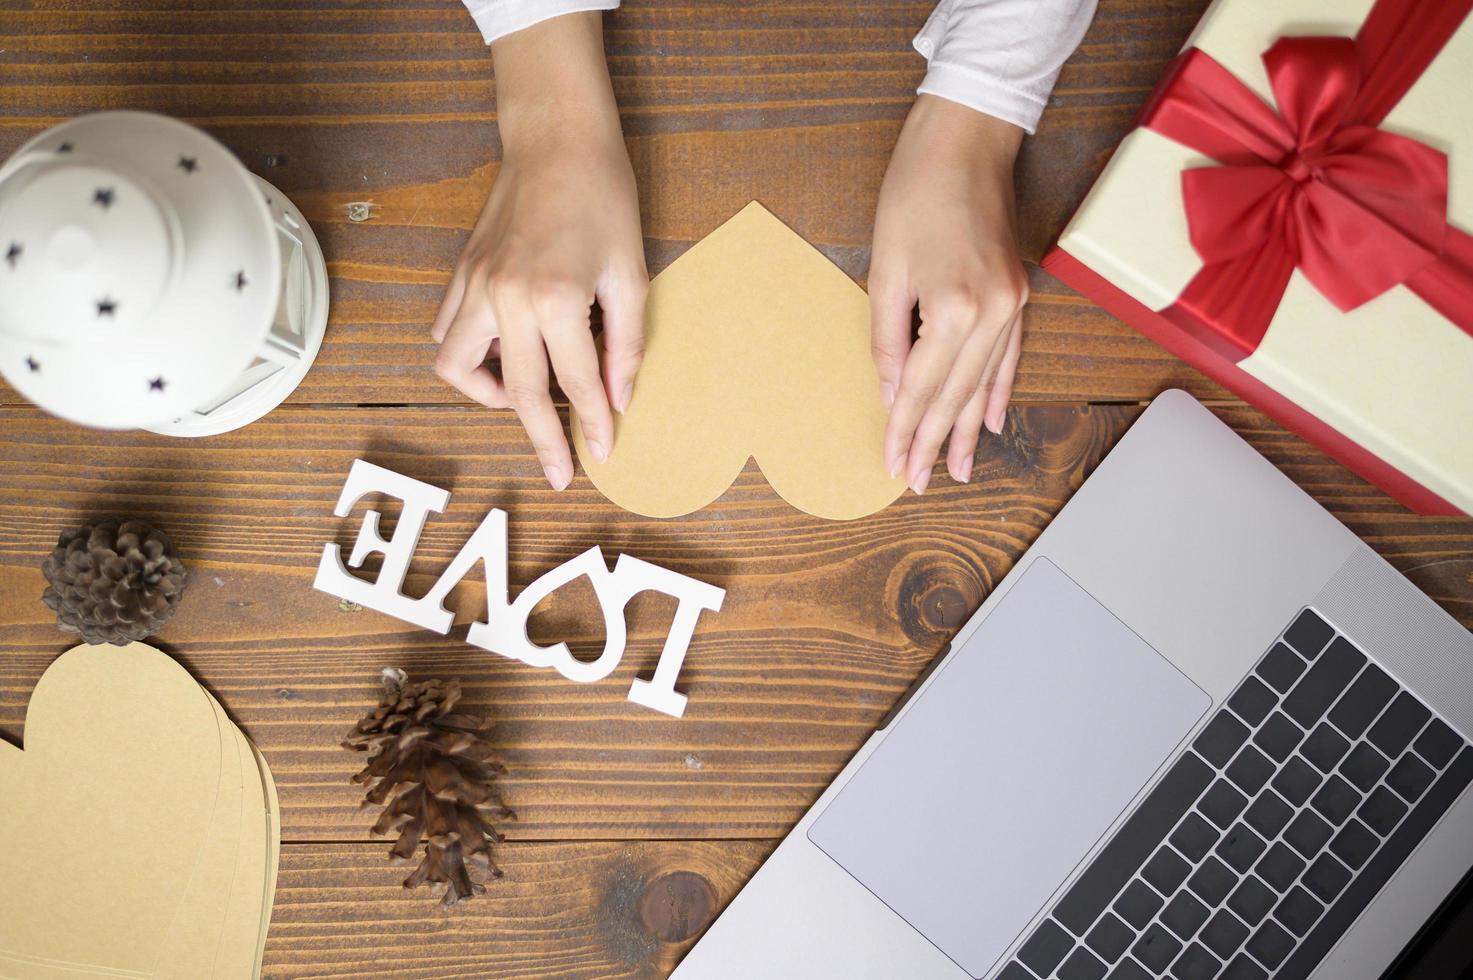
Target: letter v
[{"x": 487, "y": 544}]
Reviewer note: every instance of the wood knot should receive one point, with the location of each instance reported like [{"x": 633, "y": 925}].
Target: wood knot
[
  {"x": 943, "y": 607},
  {"x": 936, "y": 594},
  {"x": 677, "y": 906}
]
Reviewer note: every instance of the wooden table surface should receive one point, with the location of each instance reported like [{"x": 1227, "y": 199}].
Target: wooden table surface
[{"x": 378, "y": 118}]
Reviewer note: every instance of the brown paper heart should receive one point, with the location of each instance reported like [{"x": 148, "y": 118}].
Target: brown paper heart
[
  {"x": 756, "y": 346},
  {"x": 112, "y": 797},
  {"x": 272, "y": 831},
  {"x": 152, "y": 824},
  {"x": 188, "y": 951}
]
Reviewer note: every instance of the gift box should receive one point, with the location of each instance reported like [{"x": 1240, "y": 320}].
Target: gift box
[{"x": 1291, "y": 214}]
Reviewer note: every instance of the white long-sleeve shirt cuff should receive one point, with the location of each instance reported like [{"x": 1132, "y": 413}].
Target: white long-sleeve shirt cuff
[
  {"x": 498, "y": 18},
  {"x": 1000, "y": 57}
]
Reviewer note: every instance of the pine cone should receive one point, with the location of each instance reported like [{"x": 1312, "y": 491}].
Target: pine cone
[
  {"x": 431, "y": 768},
  {"x": 114, "y": 582}
]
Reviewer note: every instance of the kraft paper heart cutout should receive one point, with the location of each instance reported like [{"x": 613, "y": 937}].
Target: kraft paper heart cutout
[
  {"x": 151, "y": 814},
  {"x": 271, "y": 826},
  {"x": 756, "y": 347}
]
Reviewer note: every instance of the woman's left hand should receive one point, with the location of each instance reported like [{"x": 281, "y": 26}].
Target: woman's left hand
[{"x": 945, "y": 238}]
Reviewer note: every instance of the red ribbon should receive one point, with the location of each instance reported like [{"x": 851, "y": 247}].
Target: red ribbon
[{"x": 1316, "y": 185}]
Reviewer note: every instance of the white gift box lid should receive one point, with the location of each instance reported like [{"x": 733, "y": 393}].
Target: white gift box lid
[{"x": 1394, "y": 375}]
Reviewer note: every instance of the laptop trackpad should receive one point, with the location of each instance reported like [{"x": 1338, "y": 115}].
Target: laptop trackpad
[{"x": 1028, "y": 744}]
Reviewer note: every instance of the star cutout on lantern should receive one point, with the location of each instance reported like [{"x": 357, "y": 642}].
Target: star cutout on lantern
[
  {"x": 33, "y": 364},
  {"x": 64, "y": 148},
  {"x": 156, "y": 384},
  {"x": 107, "y": 307},
  {"x": 188, "y": 164},
  {"x": 104, "y": 197},
  {"x": 240, "y": 281},
  {"x": 12, "y": 254}
]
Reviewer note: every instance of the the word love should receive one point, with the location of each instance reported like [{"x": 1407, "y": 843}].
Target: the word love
[{"x": 504, "y": 630}]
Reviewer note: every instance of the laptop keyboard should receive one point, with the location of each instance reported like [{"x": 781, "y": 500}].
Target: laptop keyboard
[{"x": 1266, "y": 839}]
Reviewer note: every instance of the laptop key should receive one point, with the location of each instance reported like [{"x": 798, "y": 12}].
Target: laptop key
[
  {"x": 1194, "y": 837},
  {"x": 1184, "y": 915},
  {"x": 1165, "y": 871},
  {"x": 1046, "y": 948},
  {"x": 1270, "y": 944},
  {"x": 1221, "y": 738},
  {"x": 1250, "y": 770},
  {"x": 1308, "y": 633},
  {"x": 1241, "y": 847},
  {"x": 1307, "y": 834},
  {"x": 1364, "y": 766},
  {"x": 1242, "y": 968},
  {"x": 1438, "y": 743},
  {"x": 1325, "y": 747},
  {"x": 1326, "y": 878},
  {"x": 1251, "y": 900},
  {"x": 1336, "y": 800},
  {"x": 1156, "y": 948},
  {"x": 1280, "y": 668},
  {"x": 1110, "y": 938},
  {"x": 1128, "y": 970},
  {"x": 1279, "y": 736},
  {"x": 1015, "y": 971},
  {"x": 1268, "y": 814},
  {"x": 1399, "y": 724},
  {"x": 1410, "y": 777},
  {"x": 1296, "y": 781},
  {"x": 1224, "y": 934},
  {"x": 1253, "y": 700},
  {"x": 1138, "y": 904},
  {"x": 1370, "y": 879},
  {"x": 1381, "y": 810},
  {"x": 1322, "y": 685},
  {"x": 1081, "y": 965},
  {"x": 1363, "y": 701},
  {"x": 1221, "y": 804},
  {"x": 1280, "y": 867},
  {"x": 1212, "y": 882},
  {"x": 1298, "y": 911},
  {"x": 1195, "y": 963},
  {"x": 1354, "y": 844},
  {"x": 1119, "y": 860}
]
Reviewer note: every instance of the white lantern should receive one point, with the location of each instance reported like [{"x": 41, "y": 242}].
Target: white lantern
[{"x": 148, "y": 280}]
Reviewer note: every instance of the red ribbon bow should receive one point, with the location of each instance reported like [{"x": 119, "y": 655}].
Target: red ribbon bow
[{"x": 1316, "y": 185}]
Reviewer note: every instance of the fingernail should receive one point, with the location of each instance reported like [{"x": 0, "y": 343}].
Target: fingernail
[
  {"x": 624, "y": 397},
  {"x": 921, "y": 481},
  {"x": 887, "y": 393},
  {"x": 557, "y": 476},
  {"x": 895, "y": 465},
  {"x": 994, "y": 423},
  {"x": 599, "y": 452},
  {"x": 965, "y": 474}
]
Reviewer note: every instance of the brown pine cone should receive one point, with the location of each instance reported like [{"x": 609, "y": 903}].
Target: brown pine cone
[
  {"x": 113, "y": 582},
  {"x": 432, "y": 770}
]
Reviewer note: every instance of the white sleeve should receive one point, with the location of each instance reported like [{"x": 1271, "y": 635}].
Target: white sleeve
[
  {"x": 1001, "y": 57},
  {"x": 498, "y": 18}
]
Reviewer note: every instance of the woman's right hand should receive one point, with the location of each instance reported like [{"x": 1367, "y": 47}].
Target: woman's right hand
[{"x": 560, "y": 230}]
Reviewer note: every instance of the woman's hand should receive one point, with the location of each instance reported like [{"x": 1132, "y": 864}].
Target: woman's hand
[
  {"x": 559, "y": 230},
  {"x": 945, "y": 239}
]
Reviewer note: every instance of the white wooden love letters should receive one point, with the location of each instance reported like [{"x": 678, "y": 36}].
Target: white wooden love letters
[{"x": 504, "y": 630}]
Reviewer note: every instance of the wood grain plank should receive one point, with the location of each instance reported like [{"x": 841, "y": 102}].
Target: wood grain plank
[
  {"x": 824, "y": 624},
  {"x": 392, "y": 102},
  {"x": 794, "y": 105},
  {"x": 581, "y": 910}
]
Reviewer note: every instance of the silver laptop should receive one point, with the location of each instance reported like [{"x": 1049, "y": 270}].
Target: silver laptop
[{"x": 1200, "y": 730}]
